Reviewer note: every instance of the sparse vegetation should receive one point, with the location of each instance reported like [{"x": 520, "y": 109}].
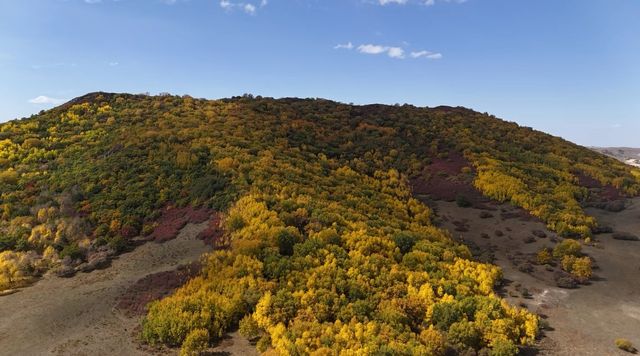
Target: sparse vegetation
[
  {"x": 568, "y": 247},
  {"x": 625, "y": 345},
  {"x": 544, "y": 256},
  {"x": 625, "y": 236}
]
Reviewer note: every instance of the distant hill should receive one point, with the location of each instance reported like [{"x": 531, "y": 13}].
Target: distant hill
[
  {"x": 325, "y": 247},
  {"x": 628, "y": 155}
]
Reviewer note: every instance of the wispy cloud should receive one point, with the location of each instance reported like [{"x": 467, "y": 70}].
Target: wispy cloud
[
  {"x": 347, "y": 45},
  {"x": 386, "y": 2},
  {"x": 395, "y": 52},
  {"x": 45, "y": 100},
  {"x": 250, "y": 8},
  {"x": 426, "y": 54},
  {"x": 415, "y": 2},
  {"x": 113, "y": 64}
]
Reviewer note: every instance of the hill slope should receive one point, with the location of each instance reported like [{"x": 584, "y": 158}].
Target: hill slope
[
  {"x": 628, "y": 155},
  {"x": 329, "y": 250}
]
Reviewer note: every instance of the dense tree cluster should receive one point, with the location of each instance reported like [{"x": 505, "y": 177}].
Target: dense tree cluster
[
  {"x": 329, "y": 249},
  {"x": 342, "y": 262}
]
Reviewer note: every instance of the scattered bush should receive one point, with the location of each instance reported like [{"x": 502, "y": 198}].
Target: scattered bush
[
  {"x": 579, "y": 267},
  {"x": 539, "y": 233},
  {"x": 567, "y": 247},
  {"x": 625, "y": 236},
  {"x": 626, "y": 345},
  {"x": 544, "y": 256},
  {"x": 565, "y": 280},
  {"x": 582, "y": 268}
]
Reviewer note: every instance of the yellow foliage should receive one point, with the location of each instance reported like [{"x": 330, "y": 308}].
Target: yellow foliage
[{"x": 14, "y": 268}]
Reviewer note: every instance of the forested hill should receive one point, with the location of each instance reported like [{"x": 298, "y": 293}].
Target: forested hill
[{"x": 329, "y": 249}]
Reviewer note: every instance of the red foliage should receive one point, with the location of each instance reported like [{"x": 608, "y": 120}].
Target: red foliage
[
  {"x": 129, "y": 232},
  {"x": 153, "y": 287},
  {"x": 213, "y": 235},
  {"x": 443, "y": 180},
  {"x": 174, "y": 219},
  {"x": 598, "y": 191}
]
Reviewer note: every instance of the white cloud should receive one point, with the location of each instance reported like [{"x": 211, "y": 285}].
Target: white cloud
[
  {"x": 393, "y": 52},
  {"x": 426, "y": 54},
  {"x": 347, "y": 45},
  {"x": 372, "y": 49},
  {"x": 250, "y": 8},
  {"x": 386, "y": 2},
  {"x": 45, "y": 100},
  {"x": 113, "y": 64},
  {"x": 92, "y": 1},
  {"x": 397, "y": 52}
]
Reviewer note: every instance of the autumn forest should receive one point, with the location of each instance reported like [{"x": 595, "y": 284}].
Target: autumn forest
[{"x": 324, "y": 248}]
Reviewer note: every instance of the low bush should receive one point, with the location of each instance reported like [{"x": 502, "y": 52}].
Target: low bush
[
  {"x": 544, "y": 256},
  {"x": 625, "y": 236},
  {"x": 249, "y": 328},
  {"x": 567, "y": 247},
  {"x": 462, "y": 201},
  {"x": 196, "y": 343},
  {"x": 626, "y": 345},
  {"x": 503, "y": 347}
]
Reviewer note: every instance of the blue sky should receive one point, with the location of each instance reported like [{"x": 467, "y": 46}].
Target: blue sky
[{"x": 567, "y": 67}]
